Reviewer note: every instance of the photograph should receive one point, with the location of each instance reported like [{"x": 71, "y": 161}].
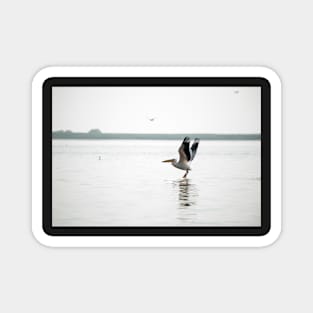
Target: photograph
[{"x": 156, "y": 156}]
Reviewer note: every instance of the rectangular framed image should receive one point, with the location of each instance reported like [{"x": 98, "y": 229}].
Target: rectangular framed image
[{"x": 156, "y": 156}]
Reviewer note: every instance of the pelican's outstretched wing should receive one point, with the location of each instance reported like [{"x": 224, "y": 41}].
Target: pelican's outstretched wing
[
  {"x": 194, "y": 148},
  {"x": 184, "y": 151}
]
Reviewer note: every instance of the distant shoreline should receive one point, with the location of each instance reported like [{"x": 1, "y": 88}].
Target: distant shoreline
[{"x": 134, "y": 136}]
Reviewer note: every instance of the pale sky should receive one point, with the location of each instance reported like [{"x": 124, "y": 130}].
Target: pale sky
[{"x": 175, "y": 109}]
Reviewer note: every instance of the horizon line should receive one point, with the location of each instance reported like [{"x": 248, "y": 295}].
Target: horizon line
[
  {"x": 136, "y": 133},
  {"x": 96, "y": 135}
]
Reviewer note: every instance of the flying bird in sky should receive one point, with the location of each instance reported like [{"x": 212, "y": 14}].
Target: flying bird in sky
[
  {"x": 151, "y": 119},
  {"x": 186, "y": 155}
]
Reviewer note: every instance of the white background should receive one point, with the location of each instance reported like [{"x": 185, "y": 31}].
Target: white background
[{"x": 35, "y": 34}]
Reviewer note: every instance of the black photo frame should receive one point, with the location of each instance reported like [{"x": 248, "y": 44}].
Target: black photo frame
[{"x": 263, "y": 83}]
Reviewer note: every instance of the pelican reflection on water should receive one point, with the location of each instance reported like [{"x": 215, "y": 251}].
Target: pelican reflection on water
[{"x": 187, "y": 193}]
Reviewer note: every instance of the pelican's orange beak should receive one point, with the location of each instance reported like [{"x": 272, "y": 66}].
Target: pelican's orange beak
[{"x": 171, "y": 160}]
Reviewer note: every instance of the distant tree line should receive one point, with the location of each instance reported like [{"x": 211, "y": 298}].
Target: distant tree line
[{"x": 97, "y": 134}]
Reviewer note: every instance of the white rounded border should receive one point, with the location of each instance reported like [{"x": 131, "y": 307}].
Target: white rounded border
[{"x": 159, "y": 241}]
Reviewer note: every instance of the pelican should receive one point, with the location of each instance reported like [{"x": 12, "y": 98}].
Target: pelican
[{"x": 186, "y": 155}]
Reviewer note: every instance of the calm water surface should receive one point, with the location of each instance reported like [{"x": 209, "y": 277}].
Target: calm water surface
[{"x": 124, "y": 182}]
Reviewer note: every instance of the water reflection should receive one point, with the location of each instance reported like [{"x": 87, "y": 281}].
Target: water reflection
[
  {"x": 187, "y": 197},
  {"x": 187, "y": 193}
]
